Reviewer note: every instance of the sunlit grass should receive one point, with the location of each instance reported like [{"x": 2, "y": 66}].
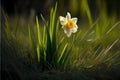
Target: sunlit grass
[{"x": 45, "y": 47}]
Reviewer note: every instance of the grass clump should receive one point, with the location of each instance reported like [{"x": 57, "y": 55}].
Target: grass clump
[{"x": 41, "y": 49}]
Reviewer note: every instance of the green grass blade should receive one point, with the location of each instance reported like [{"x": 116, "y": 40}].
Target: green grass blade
[
  {"x": 98, "y": 31},
  {"x": 38, "y": 53},
  {"x": 63, "y": 52},
  {"x": 85, "y": 8},
  {"x": 38, "y": 31},
  {"x": 115, "y": 25},
  {"x": 44, "y": 38},
  {"x": 30, "y": 37},
  {"x": 51, "y": 23}
]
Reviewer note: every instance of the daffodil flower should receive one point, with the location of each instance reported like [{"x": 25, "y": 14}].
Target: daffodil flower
[{"x": 68, "y": 24}]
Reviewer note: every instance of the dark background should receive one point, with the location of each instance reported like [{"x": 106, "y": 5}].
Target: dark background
[{"x": 43, "y": 6}]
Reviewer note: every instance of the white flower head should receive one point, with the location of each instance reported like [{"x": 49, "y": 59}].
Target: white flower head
[{"x": 68, "y": 24}]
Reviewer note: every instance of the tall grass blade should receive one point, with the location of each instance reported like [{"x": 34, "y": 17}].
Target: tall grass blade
[
  {"x": 85, "y": 9},
  {"x": 38, "y": 53},
  {"x": 63, "y": 52},
  {"x": 115, "y": 25},
  {"x": 38, "y": 31}
]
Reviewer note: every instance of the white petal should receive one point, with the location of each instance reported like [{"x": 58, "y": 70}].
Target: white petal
[
  {"x": 75, "y": 20},
  {"x": 63, "y": 20},
  {"x": 68, "y": 33},
  {"x": 76, "y": 26},
  {"x": 75, "y": 29},
  {"x": 68, "y": 16},
  {"x": 65, "y": 30}
]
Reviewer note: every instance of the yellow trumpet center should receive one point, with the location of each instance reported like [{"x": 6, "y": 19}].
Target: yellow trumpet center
[{"x": 70, "y": 24}]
